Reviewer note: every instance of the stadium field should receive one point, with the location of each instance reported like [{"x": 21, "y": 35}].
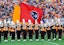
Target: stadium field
[{"x": 45, "y": 42}]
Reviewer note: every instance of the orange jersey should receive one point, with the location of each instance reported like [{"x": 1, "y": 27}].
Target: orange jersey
[
  {"x": 12, "y": 30},
  {"x": 56, "y": 28},
  {"x": 43, "y": 29},
  {"x": 18, "y": 28}
]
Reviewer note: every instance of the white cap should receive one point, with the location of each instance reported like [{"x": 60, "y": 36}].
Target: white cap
[
  {"x": 17, "y": 21},
  {"x": 49, "y": 24},
  {"x": 41, "y": 22},
  {"x": 8, "y": 21},
  {"x": 60, "y": 23},
  {"x": 23, "y": 20},
  {"x": 52, "y": 20},
  {"x": 4, "y": 21},
  {"x": 12, "y": 23},
  {"x": 29, "y": 21},
  {"x": 0, "y": 22},
  {"x": 36, "y": 22},
  {"x": 45, "y": 25},
  {"x": 58, "y": 19}
]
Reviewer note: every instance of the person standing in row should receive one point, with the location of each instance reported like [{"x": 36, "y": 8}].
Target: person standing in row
[
  {"x": 36, "y": 28},
  {"x": 24, "y": 27},
  {"x": 30, "y": 29},
  {"x": 18, "y": 29},
  {"x": 5, "y": 29},
  {"x": 13, "y": 26},
  {"x": 0, "y": 34},
  {"x": 60, "y": 32},
  {"x": 9, "y": 27},
  {"x": 49, "y": 32},
  {"x": 54, "y": 32},
  {"x": 43, "y": 30},
  {"x": 1, "y": 26}
]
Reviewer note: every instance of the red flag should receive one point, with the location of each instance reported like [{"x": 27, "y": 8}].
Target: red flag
[{"x": 30, "y": 12}]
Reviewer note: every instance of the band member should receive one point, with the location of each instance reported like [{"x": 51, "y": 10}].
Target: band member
[
  {"x": 9, "y": 27},
  {"x": 54, "y": 32},
  {"x": 1, "y": 25},
  {"x": 43, "y": 31},
  {"x": 59, "y": 29},
  {"x": 60, "y": 32},
  {"x": 18, "y": 25},
  {"x": 30, "y": 29},
  {"x": 0, "y": 34},
  {"x": 49, "y": 32},
  {"x": 36, "y": 30},
  {"x": 13, "y": 26},
  {"x": 24, "y": 27},
  {"x": 63, "y": 28},
  {"x": 5, "y": 28},
  {"x": 9, "y": 30}
]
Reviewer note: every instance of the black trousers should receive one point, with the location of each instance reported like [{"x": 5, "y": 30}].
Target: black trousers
[
  {"x": 30, "y": 34},
  {"x": 5, "y": 35},
  {"x": 49, "y": 34},
  {"x": 24, "y": 34},
  {"x": 10, "y": 33},
  {"x": 36, "y": 34},
  {"x": 0, "y": 36},
  {"x": 42, "y": 34},
  {"x": 2, "y": 33},
  {"x": 54, "y": 33},
  {"x": 18, "y": 34},
  {"x": 60, "y": 33},
  {"x": 13, "y": 35}
]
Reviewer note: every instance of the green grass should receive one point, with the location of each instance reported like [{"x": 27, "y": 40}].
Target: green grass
[{"x": 57, "y": 42}]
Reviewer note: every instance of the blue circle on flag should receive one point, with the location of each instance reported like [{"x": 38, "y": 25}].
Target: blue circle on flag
[{"x": 34, "y": 14}]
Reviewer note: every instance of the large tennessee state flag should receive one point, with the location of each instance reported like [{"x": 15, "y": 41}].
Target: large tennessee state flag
[
  {"x": 24, "y": 11},
  {"x": 30, "y": 12}
]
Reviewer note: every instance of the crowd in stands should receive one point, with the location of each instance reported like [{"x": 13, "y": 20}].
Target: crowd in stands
[{"x": 51, "y": 9}]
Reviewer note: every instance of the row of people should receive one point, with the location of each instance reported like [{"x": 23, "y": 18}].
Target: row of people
[{"x": 31, "y": 28}]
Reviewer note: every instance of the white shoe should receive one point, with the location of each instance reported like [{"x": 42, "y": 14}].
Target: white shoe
[
  {"x": 49, "y": 39},
  {"x": 37, "y": 39},
  {"x": 12, "y": 40},
  {"x": 15, "y": 36},
  {"x": 60, "y": 39},
  {"x": 30, "y": 39},
  {"x": 18, "y": 40},
  {"x": 54, "y": 39},
  {"x": 5, "y": 40},
  {"x": 42, "y": 40},
  {"x": 24, "y": 40}
]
